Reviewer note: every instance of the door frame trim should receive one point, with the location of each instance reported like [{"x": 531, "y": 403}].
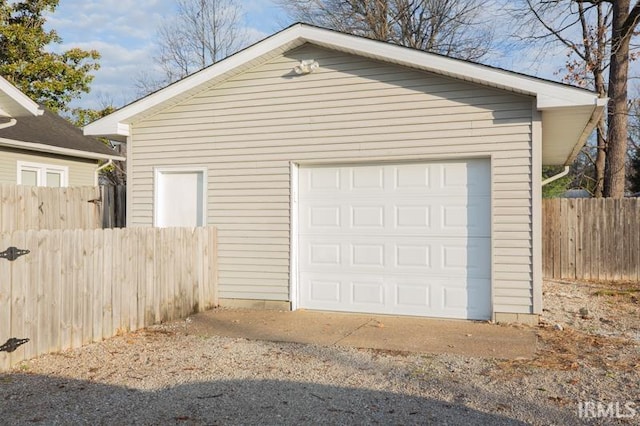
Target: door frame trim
[{"x": 293, "y": 239}]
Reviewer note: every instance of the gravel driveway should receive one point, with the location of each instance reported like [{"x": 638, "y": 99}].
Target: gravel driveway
[{"x": 164, "y": 376}]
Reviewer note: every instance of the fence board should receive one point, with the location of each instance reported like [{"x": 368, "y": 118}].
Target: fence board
[
  {"x": 580, "y": 241},
  {"x": 592, "y": 239},
  {"x": 106, "y": 252},
  {"x": 18, "y": 302},
  {"x": 80, "y": 286},
  {"x": 31, "y": 309},
  {"x": 28, "y": 207},
  {"x": 98, "y": 286},
  {"x": 5, "y": 295}
]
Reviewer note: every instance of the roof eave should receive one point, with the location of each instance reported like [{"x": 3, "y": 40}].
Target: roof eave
[
  {"x": 596, "y": 114},
  {"x": 14, "y": 103},
  {"x": 115, "y": 125},
  {"x": 566, "y": 130},
  {"x": 50, "y": 149},
  {"x": 112, "y": 130},
  {"x": 549, "y": 95}
]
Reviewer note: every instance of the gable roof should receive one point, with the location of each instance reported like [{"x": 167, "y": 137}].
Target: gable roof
[
  {"x": 53, "y": 134},
  {"x": 569, "y": 114}
]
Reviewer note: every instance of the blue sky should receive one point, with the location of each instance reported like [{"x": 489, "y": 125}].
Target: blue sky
[{"x": 123, "y": 31}]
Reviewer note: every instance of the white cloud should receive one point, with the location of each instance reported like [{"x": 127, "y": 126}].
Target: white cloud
[{"x": 123, "y": 31}]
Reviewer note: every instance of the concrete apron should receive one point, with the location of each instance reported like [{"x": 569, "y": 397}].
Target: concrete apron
[{"x": 391, "y": 333}]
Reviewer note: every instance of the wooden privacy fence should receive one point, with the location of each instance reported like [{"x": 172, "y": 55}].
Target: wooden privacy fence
[
  {"x": 81, "y": 286},
  {"x": 88, "y": 207},
  {"x": 114, "y": 206},
  {"x": 591, "y": 239}
]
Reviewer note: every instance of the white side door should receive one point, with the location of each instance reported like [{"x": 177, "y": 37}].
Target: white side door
[{"x": 180, "y": 197}]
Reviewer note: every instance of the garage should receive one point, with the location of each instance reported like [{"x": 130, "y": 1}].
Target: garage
[
  {"x": 382, "y": 179},
  {"x": 403, "y": 239}
]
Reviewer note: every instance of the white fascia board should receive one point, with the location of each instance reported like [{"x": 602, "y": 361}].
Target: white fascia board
[
  {"x": 548, "y": 94},
  {"x": 15, "y": 103},
  {"x": 50, "y": 149},
  {"x": 118, "y": 120},
  {"x": 106, "y": 128}
]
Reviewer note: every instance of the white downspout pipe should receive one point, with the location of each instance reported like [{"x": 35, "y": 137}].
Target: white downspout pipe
[
  {"x": 556, "y": 177},
  {"x": 104, "y": 166},
  {"x": 12, "y": 122}
]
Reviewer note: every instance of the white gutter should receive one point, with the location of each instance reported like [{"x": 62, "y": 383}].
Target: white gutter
[
  {"x": 8, "y": 124},
  {"x": 556, "y": 177},
  {"x": 57, "y": 150},
  {"x": 104, "y": 166}
]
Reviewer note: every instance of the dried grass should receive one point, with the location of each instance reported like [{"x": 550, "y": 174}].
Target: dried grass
[{"x": 570, "y": 349}]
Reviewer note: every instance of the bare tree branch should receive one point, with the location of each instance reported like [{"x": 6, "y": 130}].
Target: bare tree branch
[
  {"x": 457, "y": 28},
  {"x": 200, "y": 34}
]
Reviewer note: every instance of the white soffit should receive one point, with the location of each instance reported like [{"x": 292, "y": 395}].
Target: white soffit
[
  {"x": 14, "y": 103},
  {"x": 558, "y": 102}
]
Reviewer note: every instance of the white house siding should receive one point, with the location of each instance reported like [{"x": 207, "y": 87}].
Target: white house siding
[
  {"x": 247, "y": 131},
  {"x": 81, "y": 171}
]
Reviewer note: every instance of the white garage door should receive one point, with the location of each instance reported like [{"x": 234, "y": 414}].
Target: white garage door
[{"x": 407, "y": 239}]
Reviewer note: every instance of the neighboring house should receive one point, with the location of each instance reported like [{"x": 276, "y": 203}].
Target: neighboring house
[
  {"x": 346, "y": 174},
  {"x": 40, "y": 148}
]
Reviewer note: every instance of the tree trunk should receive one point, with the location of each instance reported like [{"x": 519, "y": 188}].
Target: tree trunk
[
  {"x": 601, "y": 158},
  {"x": 601, "y": 154},
  {"x": 601, "y": 88},
  {"x": 614, "y": 181}
]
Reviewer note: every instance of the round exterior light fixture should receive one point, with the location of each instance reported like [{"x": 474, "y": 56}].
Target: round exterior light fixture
[{"x": 306, "y": 67}]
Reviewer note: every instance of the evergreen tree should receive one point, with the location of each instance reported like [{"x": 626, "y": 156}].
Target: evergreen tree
[{"x": 52, "y": 79}]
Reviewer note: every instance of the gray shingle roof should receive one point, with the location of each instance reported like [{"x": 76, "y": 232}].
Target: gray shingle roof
[{"x": 51, "y": 129}]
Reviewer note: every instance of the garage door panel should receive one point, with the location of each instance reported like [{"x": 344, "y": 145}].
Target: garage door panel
[
  {"x": 438, "y": 297},
  {"x": 465, "y": 177},
  {"x": 410, "y": 239},
  {"x": 368, "y": 294},
  {"x": 324, "y": 216},
  {"x": 410, "y": 217},
  {"x": 323, "y": 254},
  {"x": 366, "y": 179},
  {"x": 371, "y": 217},
  {"x": 323, "y": 290},
  {"x": 413, "y": 296},
  {"x": 412, "y": 177},
  {"x": 412, "y": 255},
  {"x": 444, "y": 178},
  {"x": 465, "y": 217},
  {"x": 479, "y": 299},
  {"x": 364, "y": 254},
  {"x": 367, "y": 255},
  {"x": 466, "y": 257},
  {"x": 423, "y": 216},
  {"x": 320, "y": 179},
  {"x": 343, "y": 292},
  {"x": 459, "y": 257}
]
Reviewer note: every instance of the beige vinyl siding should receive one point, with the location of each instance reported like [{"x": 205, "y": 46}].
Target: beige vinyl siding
[
  {"x": 249, "y": 129},
  {"x": 81, "y": 171}
]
